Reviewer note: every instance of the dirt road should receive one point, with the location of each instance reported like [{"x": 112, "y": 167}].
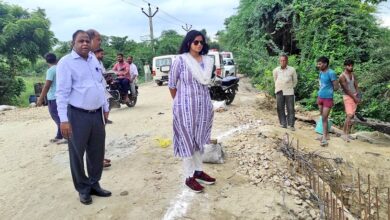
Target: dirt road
[{"x": 146, "y": 180}]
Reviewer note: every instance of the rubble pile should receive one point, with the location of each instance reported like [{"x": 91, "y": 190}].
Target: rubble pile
[{"x": 264, "y": 165}]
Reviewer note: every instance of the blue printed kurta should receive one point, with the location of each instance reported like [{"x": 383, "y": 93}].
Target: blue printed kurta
[{"x": 192, "y": 110}]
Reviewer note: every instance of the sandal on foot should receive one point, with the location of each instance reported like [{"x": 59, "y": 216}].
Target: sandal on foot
[
  {"x": 54, "y": 140},
  {"x": 324, "y": 143},
  {"x": 319, "y": 138}
]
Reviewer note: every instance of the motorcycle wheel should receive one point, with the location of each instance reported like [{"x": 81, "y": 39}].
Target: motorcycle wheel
[
  {"x": 230, "y": 94},
  {"x": 133, "y": 101}
]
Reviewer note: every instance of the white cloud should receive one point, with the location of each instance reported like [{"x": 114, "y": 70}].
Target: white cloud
[{"x": 383, "y": 14}]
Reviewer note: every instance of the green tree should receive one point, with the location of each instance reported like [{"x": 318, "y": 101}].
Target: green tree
[
  {"x": 23, "y": 35},
  {"x": 306, "y": 30},
  {"x": 168, "y": 43}
]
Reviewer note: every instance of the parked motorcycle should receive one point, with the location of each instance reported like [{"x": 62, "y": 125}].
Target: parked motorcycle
[
  {"x": 114, "y": 89},
  {"x": 224, "y": 88}
]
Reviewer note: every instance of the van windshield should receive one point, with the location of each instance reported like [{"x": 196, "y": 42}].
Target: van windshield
[{"x": 163, "y": 62}]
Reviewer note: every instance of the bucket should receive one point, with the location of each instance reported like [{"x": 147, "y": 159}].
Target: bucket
[
  {"x": 319, "y": 129},
  {"x": 32, "y": 99}
]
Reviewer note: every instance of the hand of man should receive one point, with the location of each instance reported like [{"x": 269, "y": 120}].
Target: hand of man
[
  {"x": 39, "y": 102},
  {"x": 66, "y": 130},
  {"x": 106, "y": 116}
]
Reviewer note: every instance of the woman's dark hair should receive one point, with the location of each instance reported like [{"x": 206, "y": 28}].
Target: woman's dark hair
[
  {"x": 189, "y": 38},
  {"x": 323, "y": 60},
  {"x": 51, "y": 58}
]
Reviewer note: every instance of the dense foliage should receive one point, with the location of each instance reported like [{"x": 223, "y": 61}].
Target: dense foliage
[
  {"x": 306, "y": 30},
  {"x": 24, "y": 36}
]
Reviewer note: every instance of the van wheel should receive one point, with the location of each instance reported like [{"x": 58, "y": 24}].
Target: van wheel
[{"x": 160, "y": 83}]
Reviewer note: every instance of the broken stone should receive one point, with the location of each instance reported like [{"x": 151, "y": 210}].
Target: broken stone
[
  {"x": 265, "y": 165},
  {"x": 313, "y": 213},
  {"x": 298, "y": 201},
  {"x": 124, "y": 193}
]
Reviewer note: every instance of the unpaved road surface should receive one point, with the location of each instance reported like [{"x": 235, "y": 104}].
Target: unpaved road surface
[{"x": 146, "y": 179}]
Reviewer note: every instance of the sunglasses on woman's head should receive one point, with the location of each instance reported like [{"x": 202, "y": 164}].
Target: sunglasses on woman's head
[{"x": 196, "y": 42}]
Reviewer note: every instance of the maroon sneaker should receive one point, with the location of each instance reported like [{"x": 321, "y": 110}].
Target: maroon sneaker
[
  {"x": 204, "y": 178},
  {"x": 194, "y": 185}
]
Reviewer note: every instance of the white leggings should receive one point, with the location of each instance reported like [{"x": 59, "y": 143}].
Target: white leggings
[{"x": 190, "y": 164}]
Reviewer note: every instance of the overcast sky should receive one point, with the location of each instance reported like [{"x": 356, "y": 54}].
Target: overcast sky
[{"x": 125, "y": 18}]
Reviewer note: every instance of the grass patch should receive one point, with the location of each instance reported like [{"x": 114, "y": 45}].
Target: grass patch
[{"x": 22, "y": 100}]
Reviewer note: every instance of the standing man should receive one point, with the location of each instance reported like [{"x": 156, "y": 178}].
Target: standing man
[
  {"x": 285, "y": 78},
  {"x": 147, "y": 71},
  {"x": 49, "y": 90},
  {"x": 328, "y": 83},
  {"x": 133, "y": 75},
  {"x": 349, "y": 85},
  {"x": 83, "y": 108},
  {"x": 99, "y": 54},
  {"x": 122, "y": 70},
  {"x": 96, "y": 42}
]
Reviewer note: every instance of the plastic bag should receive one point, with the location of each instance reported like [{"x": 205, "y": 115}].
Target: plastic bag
[
  {"x": 163, "y": 142},
  {"x": 219, "y": 106},
  {"x": 319, "y": 129},
  {"x": 213, "y": 153}
]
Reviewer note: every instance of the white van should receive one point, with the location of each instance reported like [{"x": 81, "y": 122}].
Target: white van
[
  {"x": 161, "y": 67},
  {"x": 219, "y": 68},
  {"x": 230, "y": 67}
]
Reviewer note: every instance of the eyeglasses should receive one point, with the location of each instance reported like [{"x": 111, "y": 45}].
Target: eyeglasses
[{"x": 196, "y": 42}]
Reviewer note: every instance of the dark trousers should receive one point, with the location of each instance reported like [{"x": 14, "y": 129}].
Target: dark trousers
[
  {"x": 125, "y": 85},
  {"x": 88, "y": 136},
  {"x": 283, "y": 102},
  {"x": 54, "y": 115}
]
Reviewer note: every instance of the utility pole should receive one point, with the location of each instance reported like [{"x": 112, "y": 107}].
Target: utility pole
[
  {"x": 150, "y": 16},
  {"x": 187, "y": 28}
]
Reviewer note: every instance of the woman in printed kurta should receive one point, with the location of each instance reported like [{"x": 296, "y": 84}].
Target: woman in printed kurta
[{"x": 192, "y": 108}]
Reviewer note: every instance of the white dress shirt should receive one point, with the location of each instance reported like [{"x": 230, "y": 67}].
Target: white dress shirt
[
  {"x": 133, "y": 71},
  {"x": 80, "y": 84}
]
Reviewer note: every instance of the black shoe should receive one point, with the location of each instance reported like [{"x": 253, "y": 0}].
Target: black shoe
[
  {"x": 108, "y": 121},
  {"x": 85, "y": 198},
  {"x": 98, "y": 191}
]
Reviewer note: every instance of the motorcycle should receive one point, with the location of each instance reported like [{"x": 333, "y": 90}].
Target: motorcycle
[
  {"x": 116, "y": 97},
  {"x": 224, "y": 88}
]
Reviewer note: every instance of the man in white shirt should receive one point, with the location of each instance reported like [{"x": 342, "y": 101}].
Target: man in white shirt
[
  {"x": 133, "y": 75},
  {"x": 285, "y": 78},
  {"x": 83, "y": 108},
  {"x": 96, "y": 42}
]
